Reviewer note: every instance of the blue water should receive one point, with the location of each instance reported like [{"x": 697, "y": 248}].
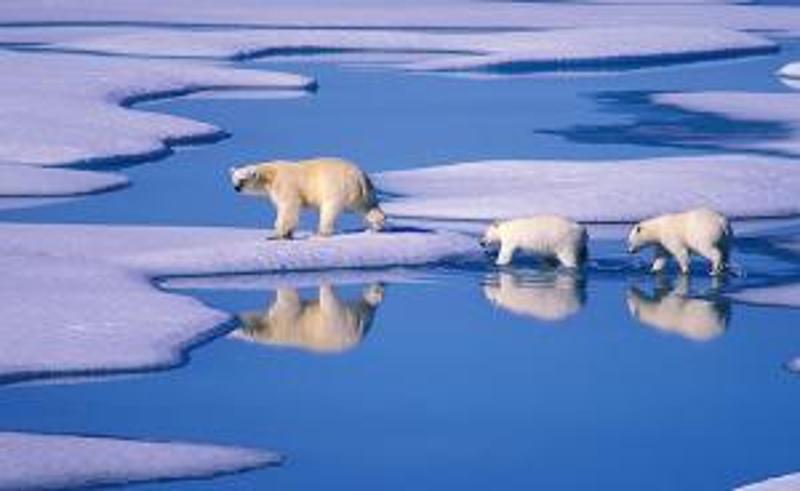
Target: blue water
[{"x": 447, "y": 390}]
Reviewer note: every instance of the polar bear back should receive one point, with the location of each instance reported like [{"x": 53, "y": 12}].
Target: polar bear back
[
  {"x": 544, "y": 234},
  {"x": 324, "y": 181},
  {"x": 696, "y": 229}
]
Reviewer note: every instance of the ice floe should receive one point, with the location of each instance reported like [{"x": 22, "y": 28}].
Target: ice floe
[
  {"x": 21, "y": 180},
  {"x": 615, "y": 191},
  {"x": 54, "y": 461},
  {"x": 79, "y": 299},
  {"x": 782, "y": 295},
  {"x": 59, "y": 109},
  {"x": 411, "y": 14},
  {"x": 789, "y": 482},
  {"x": 779, "y": 108},
  {"x": 622, "y": 47}
]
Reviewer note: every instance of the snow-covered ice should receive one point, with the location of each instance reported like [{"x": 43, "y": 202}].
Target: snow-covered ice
[
  {"x": 789, "y": 482},
  {"x": 79, "y": 299},
  {"x": 615, "y": 191},
  {"x": 54, "y": 461},
  {"x": 409, "y": 14},
  {"x": 780, "y": 108},
  {"x": 62, "y": 109},
  {"x": 22, "y": 180},
  {"x": 782, "y": 295},
  {"x": 622, "y": 47}
]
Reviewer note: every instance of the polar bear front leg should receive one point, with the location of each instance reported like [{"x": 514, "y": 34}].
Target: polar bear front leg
[
  {"x": 681, "y": 255},
  {"x": 327, "y": 219},
  {"x": 286, "y": 220},
  {"x": 659, "y": 261},
  {"x": 505, "y": 255}
]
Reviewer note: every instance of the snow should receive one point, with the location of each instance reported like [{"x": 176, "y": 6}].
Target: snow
[
  {"x": 365, "y": 13},
  {"x": 610, "y": 191},
  {"x": 68, "y": 316},
  {"x": 784, "y": 295},
  {"x": 53, "y": 461},
  {"x": 779, "y": 108},
  {"x": 78, "y": 299},
  {"x": 84, "y": 98},
  {"x": 19, "y": 180},
  {"x": 622, "y": 47},
  {"x": 789, "y": 482}
]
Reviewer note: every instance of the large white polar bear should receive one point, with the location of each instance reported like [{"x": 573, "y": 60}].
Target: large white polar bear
[
  {"x": 549, "y": 236},
  {"x": 329, "y": 185},
  {"x": 700, "y": 231}
]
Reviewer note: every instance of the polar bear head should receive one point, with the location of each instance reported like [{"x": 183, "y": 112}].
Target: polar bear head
[
  {"x": 640, "y": 236},
  {"x": 252, "y": 179}
]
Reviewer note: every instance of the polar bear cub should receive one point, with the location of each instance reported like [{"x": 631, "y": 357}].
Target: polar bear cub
[
  {"x": 701, "y": 231},
  {"x": 549, "y": 236},
  {"x": 329, "y": 185}
]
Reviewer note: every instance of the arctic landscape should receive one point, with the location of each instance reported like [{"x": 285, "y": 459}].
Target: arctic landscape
[{"x": 154, "y": 337}]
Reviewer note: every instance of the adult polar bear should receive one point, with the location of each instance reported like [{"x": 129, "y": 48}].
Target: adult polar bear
[
  {"x": 700, "y": 231},
  {"x": 328, "y": 184}
]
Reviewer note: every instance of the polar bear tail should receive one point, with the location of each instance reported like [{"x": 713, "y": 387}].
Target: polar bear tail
[{"x": 369, "y": 197}]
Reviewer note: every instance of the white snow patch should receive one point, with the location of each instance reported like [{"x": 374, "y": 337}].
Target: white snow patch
[
  {"x": 621, "y": 47},
  {"x": 58, "y": 109},
  {"x": 19, "y": 180},
  {"x": 78, "y": 299},
  {"x": 773, "y": 107},
  {"x": 405, "y": 14},
  {"x": 787, "y": 295},
  {"x": 616, "y": 191},
  {"x": 52, "y": 461},
  {"x": 789, "y": 482}
]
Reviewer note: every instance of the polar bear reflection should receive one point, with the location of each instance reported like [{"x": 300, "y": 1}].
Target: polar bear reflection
[
  {"x": 546, "y": 297},
  {"x": 674, "y": 310},
  {"x": 326, "y": 324}
]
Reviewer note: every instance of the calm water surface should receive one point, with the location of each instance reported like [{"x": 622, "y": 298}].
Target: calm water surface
[{"x": 474, "y": 378}]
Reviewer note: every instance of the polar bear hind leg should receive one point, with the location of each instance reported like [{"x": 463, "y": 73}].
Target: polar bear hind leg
[
  {"x": 717, "y": 257},
  {"x": 569, "y": 258}
]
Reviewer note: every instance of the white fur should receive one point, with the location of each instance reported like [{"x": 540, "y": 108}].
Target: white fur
[
  {"x": 548, "y": 236},
  {"x": 325, "y": 324},
  {"x": 329, "y": 185},
  {"x": 700, "y": 231},
  {"x": 547, "y": 299},
  {"x": 675, "y": 311}
]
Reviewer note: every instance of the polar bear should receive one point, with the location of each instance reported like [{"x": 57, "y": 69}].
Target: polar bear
[
  {"x": 700, "y": 231},
  {"x": 547, "y": 298},
  {"x": 326, "y": 324},
  {"x": 674, "y": 310},
  {"x": 328, "y": 184},
  {"x": 552, "y": 237}
]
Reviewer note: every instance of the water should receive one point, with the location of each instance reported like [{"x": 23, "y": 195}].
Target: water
[{"x": 476, "y": 379}]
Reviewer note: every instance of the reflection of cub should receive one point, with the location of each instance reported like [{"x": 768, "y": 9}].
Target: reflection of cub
[
  {"x": 547, "y": 298},
  {"x": 675, "y": 311},
  {"x": 326, "y": 324}
]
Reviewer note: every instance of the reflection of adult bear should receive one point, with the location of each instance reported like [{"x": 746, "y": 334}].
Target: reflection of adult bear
[
  {"x": 550, "y": 298},
  {"x": 675, "y": 311},
  {"x": 325, "y": 324},
  {"x": 327, "y": 184}
]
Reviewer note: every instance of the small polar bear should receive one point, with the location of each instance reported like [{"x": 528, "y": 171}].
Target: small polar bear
[
  {"x": 329, "y": 185},
  {"x": 552, "y": 237},
  {"x": 701, "y": 231}
]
